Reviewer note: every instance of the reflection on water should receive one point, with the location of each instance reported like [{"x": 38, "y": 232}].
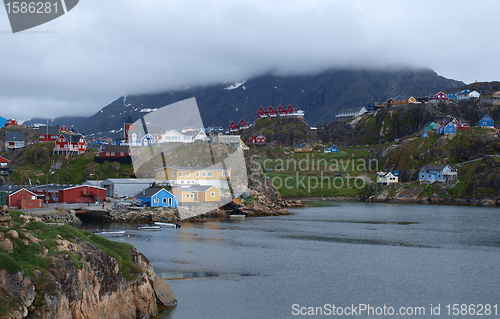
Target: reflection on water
[{"x": 349, "y": 253}]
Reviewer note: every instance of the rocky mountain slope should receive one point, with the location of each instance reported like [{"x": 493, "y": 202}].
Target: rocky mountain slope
[
  {"x": 396, "y": 122},
  {"x": 321, "y": 96}
]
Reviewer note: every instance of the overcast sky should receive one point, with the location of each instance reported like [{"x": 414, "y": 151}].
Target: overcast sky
[{"x": 103, "y": 49}]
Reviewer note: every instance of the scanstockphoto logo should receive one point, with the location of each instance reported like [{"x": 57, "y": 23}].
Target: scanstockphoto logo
[
  {"x": 201, "y": 169},
  {"x": 25, "y": 15}
]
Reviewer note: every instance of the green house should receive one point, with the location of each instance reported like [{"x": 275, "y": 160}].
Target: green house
[
  {"x": 3, "y": 198},
  {"x": 431, "y": 126}
]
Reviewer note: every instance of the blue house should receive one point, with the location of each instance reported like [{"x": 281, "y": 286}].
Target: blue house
[
  {"x": 333, "y": 149},
  {"x": 437, "y": 173},
  {"x": 424, "y": 134},
  {"x": 450, "y": 129},
  {"x": 157, "y": 197},
  {"x": 2, "y": 121},
  {"x": 487, "y": 121}
]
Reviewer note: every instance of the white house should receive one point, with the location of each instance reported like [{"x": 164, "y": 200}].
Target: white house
[
  {"x": 346, "y": 113},
  {"x": 386, "y": 178},
  {"x": 172, "y": 136},
  {"x": 468, "y": 95}
]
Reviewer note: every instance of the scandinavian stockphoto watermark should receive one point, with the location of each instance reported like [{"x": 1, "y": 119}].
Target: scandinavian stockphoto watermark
[
  {"x": 328, "y": 173},
  {"x": 25, "y": 15}
]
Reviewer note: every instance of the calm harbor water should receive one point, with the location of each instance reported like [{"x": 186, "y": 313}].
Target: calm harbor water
[{"x": 345, "y": 254}]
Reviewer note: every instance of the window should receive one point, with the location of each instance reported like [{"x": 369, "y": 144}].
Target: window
[
  {"x": 162, "y": 173},
  {"x": 213, "y": 194},
  {"x": 113, "y": 154},
  {"x": 107, "y": 154},
  {"x": 164, "y": 200},
  {"x": 203, "y": 174},
  {"x": 210, "y": 174},
  {"x": 173, "y": 174},
  {"x": 187, "y": 174},
  {"x": 180, "y": 173},
  {"x": 157, "y": 200},
  {"x": 225, "y": 173},
  {"x": 170, "y": 202},
  {"x": 197, "y": 174}
]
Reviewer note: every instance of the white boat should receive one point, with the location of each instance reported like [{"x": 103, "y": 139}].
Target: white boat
[
  {"x": 174, "y": 225},
  {"x": 106, "y": 233},
  {"x": 237, "y": 216},
  {"x": 148, "y": 227}
]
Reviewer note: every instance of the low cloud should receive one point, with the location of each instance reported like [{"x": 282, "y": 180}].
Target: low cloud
[{"x": 101, "y": 50}]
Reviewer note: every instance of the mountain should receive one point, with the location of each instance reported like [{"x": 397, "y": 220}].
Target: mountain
[
  {"x": 321, "y": 96},
  {"x": 69, "y": 121}
]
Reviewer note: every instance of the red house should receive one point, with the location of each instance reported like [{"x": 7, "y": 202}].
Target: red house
[
  {"x": 64, "y": 128},
  {"x": 54, "y": 193},
  {"x": 257, "y": 138},
  {"x": 280, "y": 111},
  {"x": 129, "y": 125},
  {"x": 115, "y": 153},
  {"x": 48, "y": 133},
  {"x": 11, "y": 122},
  {"x": 289, "y": 110},
  {"x": 462, "y": 127},
  {"x": 21, "y": 198},
  {"x": 233, "y": 127},
  {"x": 261, "y": 112},
  {"x": 390, "y": 101},
  {"x": 438, "y": 97},
  {"x": 82, "y": 194},
  {"x": 271, "y": 112},
  {"x": 70, "y": 144},
  {"x": 242, "y": 124},
  {"x": 4, "y": 162}
]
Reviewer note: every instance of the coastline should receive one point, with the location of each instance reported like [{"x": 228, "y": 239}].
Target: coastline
[{"x": 429, "y": 200}]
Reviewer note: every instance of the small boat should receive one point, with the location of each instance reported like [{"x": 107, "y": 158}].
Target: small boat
[
  {"x": 106, "y": 233},
  {"x": 174, "y": 225},
  {"x": 236, "y": 216},
  {"x": 148, "y": 227}
]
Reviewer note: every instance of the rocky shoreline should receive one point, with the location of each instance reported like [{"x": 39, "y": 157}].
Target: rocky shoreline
[{"x": 81, "y": 281}]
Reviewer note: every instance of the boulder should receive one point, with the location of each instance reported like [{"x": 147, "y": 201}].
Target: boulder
[
  {"x": 7, "y": 245},
  {"x": 13, "y": 233}
]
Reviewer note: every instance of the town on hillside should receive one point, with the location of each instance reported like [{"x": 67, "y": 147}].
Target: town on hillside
[{"x": 174, "y": 185}]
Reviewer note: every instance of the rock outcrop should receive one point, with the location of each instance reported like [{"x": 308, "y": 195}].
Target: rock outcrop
[{"x": 80, "y": 281}]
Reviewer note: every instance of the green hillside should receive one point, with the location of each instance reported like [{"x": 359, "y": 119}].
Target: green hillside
[{"x": 32, "y": 164}]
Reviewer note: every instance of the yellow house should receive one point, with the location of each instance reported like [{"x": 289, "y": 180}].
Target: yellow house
[
  {"x": 298, "y": 148},
  {"x": 196, "y": 194},
  {"x": 183, "y": 175},
  {"x": 404, "y": 100}
]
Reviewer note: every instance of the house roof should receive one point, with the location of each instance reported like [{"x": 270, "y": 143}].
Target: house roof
[
  {"x": 351, "y": 110},
  {"x": 256, "y": 134},
  {"x": 129, "y": 120},
  {"x": 92, "y": 182},
  {"x": 130, "y": 180},
  {"x": 10, "y": 189},
  {"x": 300, "y": 145},
  {"x": 14, "y": 136},
  {"x": 115, "y": 148},
  {"x": 148, "y": 192},
  {"x": 48, "y": 130},
  {"x": 197, "y": 168},
  {"x": 435, "y": 167},
  {"x": 196, "y": 188},
  {"x": 52, "y": 187},
  {"x": 72, "y": 138},
  {"x": 4, "y": 160}
]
